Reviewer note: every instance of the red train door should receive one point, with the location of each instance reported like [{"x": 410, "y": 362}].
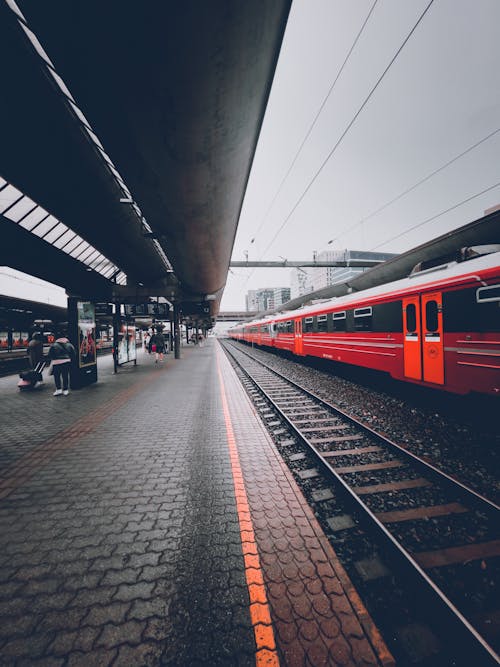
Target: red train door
[
  {"x": 299, "y": 344},
  {"x": 433, "y": 343},
  {"x": 412, "y": 346},
  {"x": 423, "y": 338}
]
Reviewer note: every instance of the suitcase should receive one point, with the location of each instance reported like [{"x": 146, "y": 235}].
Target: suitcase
[{"x": 30, "y": 379}]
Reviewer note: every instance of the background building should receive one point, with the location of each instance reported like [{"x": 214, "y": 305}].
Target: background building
[
  {"x": 266, "y": 298},
  {"x": 310, "y": 279}
]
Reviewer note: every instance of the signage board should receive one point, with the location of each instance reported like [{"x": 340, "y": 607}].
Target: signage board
[
  {"x": 103, "y": 309},
  {"x": 147, "y": 309}
]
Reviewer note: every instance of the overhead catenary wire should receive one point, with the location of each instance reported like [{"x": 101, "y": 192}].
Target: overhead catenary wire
[
  {"x": 416, "y": 185},
  {"x": 314, "y": 121},
  {"x": 310, "y": 129},
  {"x": 437, "y": 215},
  {"x": 350, "y": 124}
]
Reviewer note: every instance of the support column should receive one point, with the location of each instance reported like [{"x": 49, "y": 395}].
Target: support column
[
  {"x": 116, "y": 326},
  {"x": 177, "y": 332},
  {"x": 171, "y": 337}
]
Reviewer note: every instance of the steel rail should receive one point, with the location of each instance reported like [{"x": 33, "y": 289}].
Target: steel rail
[{"x": 449, "y": 617}]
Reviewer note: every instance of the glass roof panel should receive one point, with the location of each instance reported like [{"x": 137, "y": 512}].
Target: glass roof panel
[
  {"x": 15, "y": 8},
  {"x": 86, "y": 254},
  {"x": 76, "y": 241},
  {"x": 79, "y": 114},
  {"x": 33, "y": 218},
  {"x": 97, "y": 261},
  {"x": 8, "y": 196},
  {"x": 106, "y": 156},
  {"x": 121, "y": 278},
  {"x": 62, "y": 240},
  {"x": 105, "y": 266},
  {"x": 115, "y": 172},
  {"x": 45, "y": 226},
  {"x": 109, "y": 271},
  {"x": 61, "y": 83},
  {"x": 93, "y": 137},
  {"x": 92, "y": 257},
  {"x": 23, "y": 206},
  {"x": 123, "y": 186},
  {"x": 79, "y": 249},
  {"x": 38, "y": 47},
  {"x": 55, "y": 233}
]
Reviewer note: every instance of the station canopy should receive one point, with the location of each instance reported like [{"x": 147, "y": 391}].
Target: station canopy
[{"x": 127, "y": 134}]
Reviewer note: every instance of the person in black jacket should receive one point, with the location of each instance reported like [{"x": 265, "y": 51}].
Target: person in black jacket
[
  {"x": 158, "y": 340},
  {"x": 61, "y": 354},
  {"x": 35, "y": 350}
]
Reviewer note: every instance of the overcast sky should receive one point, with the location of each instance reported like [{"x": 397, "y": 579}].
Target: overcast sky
[
  {"x": 377, "y": 133},
  {"x": 439, "y": 98}
]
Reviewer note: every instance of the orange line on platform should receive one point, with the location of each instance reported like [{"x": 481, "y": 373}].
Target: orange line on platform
[{"x": 266, "y": 654}]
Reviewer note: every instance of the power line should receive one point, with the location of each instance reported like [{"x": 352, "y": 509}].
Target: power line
[
  {"x": 413, "y": 187},
  {"x": 312, "y": 125},
  {"x": 438, "y": 215},
  {"x": 323, "y": 164}
]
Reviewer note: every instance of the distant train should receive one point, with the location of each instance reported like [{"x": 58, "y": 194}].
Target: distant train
[{"x": 439, "y": 327}]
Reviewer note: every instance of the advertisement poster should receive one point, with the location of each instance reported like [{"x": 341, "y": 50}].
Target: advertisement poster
[
  {"x": 132, "y": 352},
  {"x": 20, "y": 339},
  {"x": 126, "y": 343},
  {"x": 122, "y": 344},
  {"x": 4, "y": 340},
  {"x": 86, "y": 333}
]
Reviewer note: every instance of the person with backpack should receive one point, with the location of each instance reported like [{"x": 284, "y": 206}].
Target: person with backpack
[{"x": 61, "y": 355}]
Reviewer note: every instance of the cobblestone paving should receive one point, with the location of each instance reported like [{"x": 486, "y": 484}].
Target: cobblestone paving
[
  {"x": 318, "y": 617},
  {"x": 122, "y": 546}
]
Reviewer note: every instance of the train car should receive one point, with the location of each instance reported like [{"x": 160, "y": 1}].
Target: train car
[{"x": 439, "y": 327}]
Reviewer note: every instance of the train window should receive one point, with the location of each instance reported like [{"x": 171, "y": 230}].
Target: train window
[
  {"x": 363, "y": 319},
  {"x": 411, "y": 317},
  {"x": 289, "y": 326},
  {"x": 388, "y": 317},
  {"x": 339, "y": 321},
  {"x": 431, "y": 315},
  {"x": 485, "y": 294},
  {"x": 322, "y": 322},
  {"x": 308, "y": 324}
]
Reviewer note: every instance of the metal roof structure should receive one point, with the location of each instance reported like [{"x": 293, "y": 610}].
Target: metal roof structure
[
  {"x": 485, "y": 230},
  {"x": 128, "y": 132}
]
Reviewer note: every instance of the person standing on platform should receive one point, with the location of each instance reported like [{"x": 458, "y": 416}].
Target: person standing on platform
[
  {"x": 35, "y": 353},
  {"x": 61, "y": 354},
  {"x": 157, "y": 344},
  {"x": 146, "y": 341}
]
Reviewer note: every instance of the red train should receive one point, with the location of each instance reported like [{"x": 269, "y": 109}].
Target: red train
[{"x": 439, "y": 327}]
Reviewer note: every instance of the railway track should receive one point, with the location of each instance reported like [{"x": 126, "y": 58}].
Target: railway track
[{"x": 439, "y": 535}]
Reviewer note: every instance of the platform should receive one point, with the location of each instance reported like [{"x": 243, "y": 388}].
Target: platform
[{"x": 149, "y": 520}]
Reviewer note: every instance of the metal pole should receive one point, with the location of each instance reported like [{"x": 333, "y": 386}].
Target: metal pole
[
  {"x": 116, "y": 324},
  {"x": 177, "y": 333}
]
